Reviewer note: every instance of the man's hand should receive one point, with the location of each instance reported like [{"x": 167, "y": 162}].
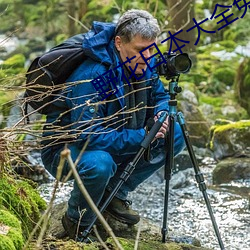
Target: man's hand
[{"x": 164, "y": 128}]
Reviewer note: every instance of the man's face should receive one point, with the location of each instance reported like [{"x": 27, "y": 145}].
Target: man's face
[{"x": 133, "y": 48}]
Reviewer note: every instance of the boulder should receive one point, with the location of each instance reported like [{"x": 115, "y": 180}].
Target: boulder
[
  {"x": 231, "y": 169},
  {"x": 197, "y": 125},
  {"x": 231, "y": 139},
  {"x": 150, "y": 235}
]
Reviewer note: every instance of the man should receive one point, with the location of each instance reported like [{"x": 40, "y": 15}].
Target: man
[{"x": 110, "y": 122}]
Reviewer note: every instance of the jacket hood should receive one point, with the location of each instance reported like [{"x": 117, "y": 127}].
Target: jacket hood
[{"x": 98, "y": 43}]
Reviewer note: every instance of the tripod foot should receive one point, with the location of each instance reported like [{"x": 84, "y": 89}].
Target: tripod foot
[{"x": 164, "y": 232}]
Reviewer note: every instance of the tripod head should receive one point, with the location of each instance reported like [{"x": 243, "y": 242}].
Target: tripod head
[{"x": 174, "y": 89}]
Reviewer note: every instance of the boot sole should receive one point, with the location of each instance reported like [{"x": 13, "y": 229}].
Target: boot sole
[{"x": 121, "y": 219}]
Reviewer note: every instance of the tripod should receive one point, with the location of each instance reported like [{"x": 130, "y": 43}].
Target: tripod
[
  {"x": 173, "y": 90},
  {"x": 169, "y": 163},
  {"x": 129, "y": 169}
]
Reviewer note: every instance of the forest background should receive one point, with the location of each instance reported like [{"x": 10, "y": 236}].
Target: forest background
[{"x": 219, "y": 73}]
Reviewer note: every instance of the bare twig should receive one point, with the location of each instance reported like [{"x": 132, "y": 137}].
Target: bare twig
[
  {"x": 77, "y": 21},
  {"x": 66, "y": 154},
  {"x": 45, "y": 217},
  {"x": 137, "y": 236},
  {"x": 99, "y": 238}
]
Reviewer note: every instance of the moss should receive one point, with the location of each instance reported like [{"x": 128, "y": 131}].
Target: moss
[
  {"x": 16, "y": 237},
  {"x": 22, "y": 200},
  {"x": 6, "y": 243},
  {"x": 225, "y": 75},
  {"x": 16, "y": 61},
  {"x": 13, "y": 239},
  {"x": 60, "y": 38},
  {"x": 228, "y": 45},
  {"x": 236, "y": 125},
  {"x": 214, "y": 101},
  {"x": 12, "y": 67},
  {"x": 219, "y": 102},
  {"x": 128, "y": 244},
  {"x": 9, "y": 219},
  {"x": 6, "y": 96}
]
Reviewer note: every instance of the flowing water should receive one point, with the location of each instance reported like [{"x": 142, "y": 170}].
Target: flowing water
[{"x": 187, "y": 212}]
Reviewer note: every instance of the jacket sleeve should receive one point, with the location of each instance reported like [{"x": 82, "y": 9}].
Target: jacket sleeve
[{"x": 88, "y": 118}]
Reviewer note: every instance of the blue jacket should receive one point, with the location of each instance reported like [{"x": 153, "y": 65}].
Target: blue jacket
[{"x": 102, "y": 124}]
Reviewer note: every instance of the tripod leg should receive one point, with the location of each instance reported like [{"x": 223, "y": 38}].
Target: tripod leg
[
  {"x": 129, "y": 168},
  {"x": 199, "y": 176},
  {"x": 168, "y": 173}
]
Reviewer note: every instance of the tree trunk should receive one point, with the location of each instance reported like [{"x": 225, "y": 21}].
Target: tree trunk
[
  {"x": 72, "y": 13},
  {"x": 83, "y": 7},
  {"x": 181, "y": 14}
]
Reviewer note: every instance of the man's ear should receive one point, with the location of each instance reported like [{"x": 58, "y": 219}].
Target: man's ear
[{"x": 118, "y": 43}]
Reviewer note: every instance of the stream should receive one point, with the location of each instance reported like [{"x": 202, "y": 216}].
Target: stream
[{"x": 187, "y": 212}]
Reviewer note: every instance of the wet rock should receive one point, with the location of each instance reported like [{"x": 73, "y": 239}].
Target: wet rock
[
  {"x": 181, "y": 179},
  {"x": 31, "y": 167},
  {"x": 197, "y": 125},
  {"x": 231, "y": 169}
]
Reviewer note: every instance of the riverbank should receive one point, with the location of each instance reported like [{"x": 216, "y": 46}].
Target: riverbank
[{"x": 188, "y": 215}]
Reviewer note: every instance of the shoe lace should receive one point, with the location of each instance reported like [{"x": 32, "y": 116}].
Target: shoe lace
[{"x": 127, "y": 203}]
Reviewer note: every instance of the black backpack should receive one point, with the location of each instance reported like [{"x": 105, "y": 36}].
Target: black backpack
[{"x": 48, "y": 73}]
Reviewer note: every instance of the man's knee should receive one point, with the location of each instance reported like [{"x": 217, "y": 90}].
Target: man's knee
[{"x": 97, "y": 165}]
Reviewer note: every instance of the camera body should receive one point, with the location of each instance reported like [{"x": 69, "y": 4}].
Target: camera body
[{"x": 173, "y": 64}]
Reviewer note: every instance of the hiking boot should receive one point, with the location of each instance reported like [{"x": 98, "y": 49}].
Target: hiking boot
[
  {"x": 121, "y": 211},
  {"x": 75, "y": 231}
]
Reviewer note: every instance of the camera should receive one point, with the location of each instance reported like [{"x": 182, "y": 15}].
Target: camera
[{"x": 174, "y": 64}]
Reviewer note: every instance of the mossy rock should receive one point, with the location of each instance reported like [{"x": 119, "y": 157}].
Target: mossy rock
[
  {"x": 224, "y": 75},
  {"x": 128, "y": 244},
  {"x": 232, "y": 139},
  {"x": 221, "y": 106},
  {"x": 10, "y": 231},
  {"x": 217, "y": 73},
  {"x": 22, "y": 200},
  {"x": 150, "y": 235},
  {"x": 13, "y": 70}
]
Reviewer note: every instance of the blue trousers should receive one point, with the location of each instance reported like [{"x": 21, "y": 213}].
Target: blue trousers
[{"x": 100, "y": 170}]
